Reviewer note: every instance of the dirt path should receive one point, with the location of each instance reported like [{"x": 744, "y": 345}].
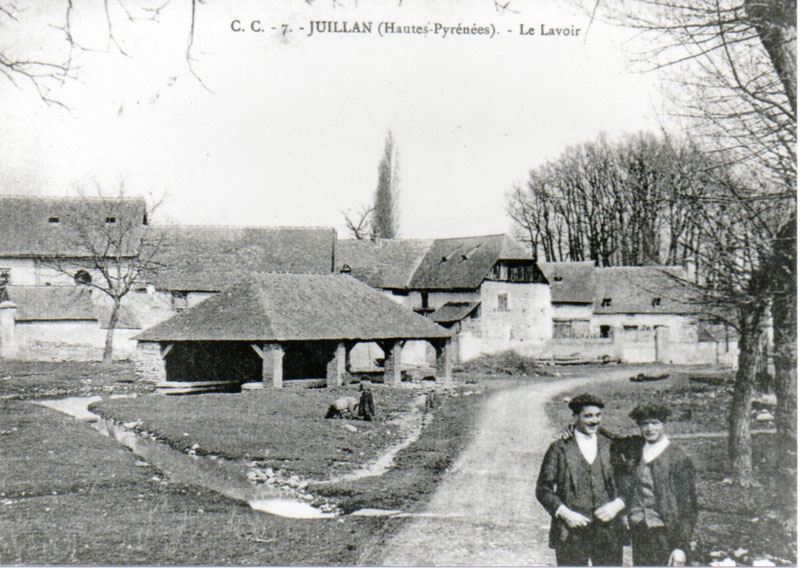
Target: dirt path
[{"x": 485, "y": 513}]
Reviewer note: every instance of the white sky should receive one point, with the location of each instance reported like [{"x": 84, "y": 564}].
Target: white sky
[{"x": 293, "y": 128}]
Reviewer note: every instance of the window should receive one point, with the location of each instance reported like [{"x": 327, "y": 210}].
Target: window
[
  {"x": 180, "y": 300},
  {"x": 557, "y": 278},
  {"x": 53, "y": 220},
  {"x": 83, "y": 278},
  {"x": 424, "y": 296},
  {"x": 606, "y": 303},
  {"x": 144, "y": 219},
  {"x": 605, "y": 331},
  {"x": 111, "y": 220},
  {"x": 656, "y": 302},
  {"x": 502, "y": 302},
  {"x": 562, "y": 329},
  {"x": 5, "y": 276}
]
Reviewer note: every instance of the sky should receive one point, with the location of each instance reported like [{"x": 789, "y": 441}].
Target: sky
[{"x": 287, "y": 129}]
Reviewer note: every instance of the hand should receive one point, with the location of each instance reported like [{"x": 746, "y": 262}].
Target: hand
[
  {"x": 608, "y": 511},
  {"x": 677, "y": 558},
  {"x": 573, "y": 519},
  {"x": 567, "y": 433}
]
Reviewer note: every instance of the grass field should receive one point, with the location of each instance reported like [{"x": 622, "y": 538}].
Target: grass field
[
  {"x": 760, "y": 520},
  {"x": 69, "y": 496}
]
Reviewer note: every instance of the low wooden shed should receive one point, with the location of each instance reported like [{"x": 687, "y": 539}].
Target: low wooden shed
[{"x": 276, "y": 327}]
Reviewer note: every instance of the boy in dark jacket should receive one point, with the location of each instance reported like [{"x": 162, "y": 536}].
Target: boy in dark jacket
[{"x": 657, "y": 481}]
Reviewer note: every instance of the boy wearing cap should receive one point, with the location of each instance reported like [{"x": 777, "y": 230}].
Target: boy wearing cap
[
  {"x": 657, "y": 481},
  {"x": 577, "y": 487}
]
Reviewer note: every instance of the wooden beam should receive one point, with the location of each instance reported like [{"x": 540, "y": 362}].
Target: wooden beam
[
  {"x": 166, "y": 349},
  {"x": 258, "y": 350}
]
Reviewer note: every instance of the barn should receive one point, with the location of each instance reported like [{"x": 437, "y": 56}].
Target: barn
[{"x": 280, "y": 327}]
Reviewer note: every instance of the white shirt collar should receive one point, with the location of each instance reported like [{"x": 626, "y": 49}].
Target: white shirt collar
[
  {"x": 587, "y": 444},
  {"x": 652, "y": 451}
]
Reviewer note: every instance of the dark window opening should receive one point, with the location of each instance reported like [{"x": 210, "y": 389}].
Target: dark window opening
[
  {"x": 424, "y": 296},
  {"x": 83, "y": 278},
  {"x": 606, "y": 303},
  {"x": 53, "y": 220},
  {"x": 144, "y": 219},
  {"x": 656, "y": 302},
  {"x": 605, "y": 331},
  {"x": 111, "y": 220},
  {"x": 502, "y": 302},
  {"x": 5, "y": 276},
  {"x": 557, "y": 278}
]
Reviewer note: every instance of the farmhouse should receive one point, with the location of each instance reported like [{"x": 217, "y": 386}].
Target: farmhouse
[
  {"x": 487, "y": 289},
  {"x": 635, "y": 314},
  {"x": 280, "y": 327}
]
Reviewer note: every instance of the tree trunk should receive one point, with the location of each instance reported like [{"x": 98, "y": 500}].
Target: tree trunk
[
  {"x": 108, "y": 350},
  {"x": 784, "y": 313},
  {"x": 740, "y": 448}
]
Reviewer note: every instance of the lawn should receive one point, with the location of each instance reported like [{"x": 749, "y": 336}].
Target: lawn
[
  {"x": 278, "y": 428},
  {"x": 69, "y": 496},
  {"x": 760, "y": 520}
]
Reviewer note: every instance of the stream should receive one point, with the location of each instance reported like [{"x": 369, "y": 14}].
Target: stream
[{"x": 227, "y": 478}]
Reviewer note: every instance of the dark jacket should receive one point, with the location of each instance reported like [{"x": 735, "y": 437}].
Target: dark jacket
[
  {"x": 673, "y": 485},
  {"x": 556, "y": 484}
]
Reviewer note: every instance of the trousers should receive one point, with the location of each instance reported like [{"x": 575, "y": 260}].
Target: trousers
[{"x": 596, "y": 543}]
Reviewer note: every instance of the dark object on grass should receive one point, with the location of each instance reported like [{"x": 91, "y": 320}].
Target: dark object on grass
[
  {"x": 642, "y": 378},
  {"x": 366, "y": 405}
]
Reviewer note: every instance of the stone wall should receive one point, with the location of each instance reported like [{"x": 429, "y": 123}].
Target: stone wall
[{"x": 149, "y": 363}]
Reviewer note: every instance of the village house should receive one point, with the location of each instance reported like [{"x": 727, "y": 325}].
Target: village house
[
  {"x": 635, "y": 314},
  {"x": 272, "y": 328},
  {"x": 487, "y": 289},
  {"x": 49, "y": 311}
]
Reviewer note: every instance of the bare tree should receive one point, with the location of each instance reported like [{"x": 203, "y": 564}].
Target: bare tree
[
  {"x": 107, "y": 244},
  {"x": 54, "y": 57},
  {"x": 735, "y": 62},
  {"x": 359, "y": 224}
]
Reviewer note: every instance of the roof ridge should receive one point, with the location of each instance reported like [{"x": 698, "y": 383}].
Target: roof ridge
[{"x": 266, "y": 227}]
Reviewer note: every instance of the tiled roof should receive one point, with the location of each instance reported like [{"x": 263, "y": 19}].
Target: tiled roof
[
  {"x": 463, "y": 263},
  {"x": 642, "y": 290},
  {"x": 282, "y": 307},
  {"x": 382, "y": 263},
  {"x": 40, "y": 226},
  {"x": 453, "y": 311},
  {"x": 570, "y": 282},
  {"x": 208, "y": 258},
  {"x": 56, "y": 303}
]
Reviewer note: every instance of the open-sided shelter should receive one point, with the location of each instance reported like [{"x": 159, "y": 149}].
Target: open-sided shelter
[{"x": 276, "y": 327}]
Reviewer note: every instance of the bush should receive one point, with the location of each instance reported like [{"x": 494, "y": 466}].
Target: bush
[{"x": 505, "y": 363}]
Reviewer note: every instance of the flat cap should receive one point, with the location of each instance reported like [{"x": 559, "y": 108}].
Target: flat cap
[
  {"x": 649, "y": 411},
  {"x": 585, "y": 399}
]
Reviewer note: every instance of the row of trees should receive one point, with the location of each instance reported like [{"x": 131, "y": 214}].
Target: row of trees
[{"x": 630, "y": 202}]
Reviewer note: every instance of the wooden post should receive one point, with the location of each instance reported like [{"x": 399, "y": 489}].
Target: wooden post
[
  {"x": 392, "y": 350},
  {"x": 444, "y": 360},
  {"x": 335, "y": 369},
  {"x": 272, "y": 364}
]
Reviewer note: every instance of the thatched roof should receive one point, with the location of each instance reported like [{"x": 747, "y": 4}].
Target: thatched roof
[
  {"x": 387, "y": 264},
  {"x": 208, "y": 258},
  {"x": 41, "y": 226},
  {"x": 51, "y": 303},
  {"x": 286, "y": 307},
  {"x": 570, "y": 282},
  {"x": 464, "y": 263},
  {"x": 643, "y": 290},
  {"x": 454, "y": 311}
]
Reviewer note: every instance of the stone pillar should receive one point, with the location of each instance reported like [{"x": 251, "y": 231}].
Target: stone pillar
[
  {"x": 149, "y": 362},
  {"x": 272, "y": 365},
  {"x": 444, "y": 360},
  {"x": 335, "y": 369},
  {"x": 8, "y": 337},
  {"x": 392, "y": 351}
]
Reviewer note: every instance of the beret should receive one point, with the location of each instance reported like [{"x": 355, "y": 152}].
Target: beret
[
  {"x": 585, "y": 399},
  {"x": 647, "y": 411}
]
